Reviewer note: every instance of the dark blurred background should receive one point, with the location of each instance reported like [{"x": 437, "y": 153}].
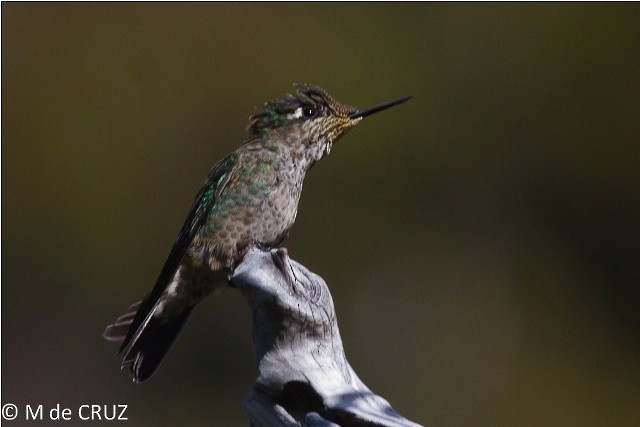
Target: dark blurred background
[{"x": 482, "y": 242}]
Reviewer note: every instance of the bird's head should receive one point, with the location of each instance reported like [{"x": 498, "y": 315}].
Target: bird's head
[{"x": 310, "y": 121}]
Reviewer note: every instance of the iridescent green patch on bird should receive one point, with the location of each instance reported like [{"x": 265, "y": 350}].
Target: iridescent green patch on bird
[
  {"x": 212, "y": 226},
  {"x": 209, "y": 195},
  {"x": 274, "y": 115}
]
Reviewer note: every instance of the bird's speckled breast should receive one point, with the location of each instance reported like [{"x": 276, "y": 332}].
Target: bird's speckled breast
[{"x": 258, "y": 203}]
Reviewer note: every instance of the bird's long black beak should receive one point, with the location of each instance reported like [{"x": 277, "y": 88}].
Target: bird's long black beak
[{"x": 368, "y": 111}]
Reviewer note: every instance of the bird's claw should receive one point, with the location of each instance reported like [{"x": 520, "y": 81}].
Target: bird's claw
[{"x": 257, "y": 244}]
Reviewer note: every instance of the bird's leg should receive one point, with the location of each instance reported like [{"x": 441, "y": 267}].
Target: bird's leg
[{"x": 257, "y": 244}]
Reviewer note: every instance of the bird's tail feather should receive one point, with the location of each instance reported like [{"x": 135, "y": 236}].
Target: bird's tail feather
[
  {"x": 118, "y": 330},
  {"x": 150, "y": 344}
]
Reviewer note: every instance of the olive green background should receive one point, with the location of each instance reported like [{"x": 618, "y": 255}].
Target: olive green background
[{"x": 482, "y": 241}]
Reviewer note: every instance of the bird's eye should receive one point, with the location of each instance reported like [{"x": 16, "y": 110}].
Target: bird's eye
[{"x": 308, "y": 112}]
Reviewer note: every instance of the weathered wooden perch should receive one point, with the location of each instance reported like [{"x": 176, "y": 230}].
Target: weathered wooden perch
[{"x": 304, "y": 376}]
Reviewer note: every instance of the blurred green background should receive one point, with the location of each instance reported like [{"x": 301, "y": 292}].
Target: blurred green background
[{"x": 482, "y": 242}]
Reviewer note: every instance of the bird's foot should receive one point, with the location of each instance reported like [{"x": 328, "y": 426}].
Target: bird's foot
[{"x": 257, "y": 244}]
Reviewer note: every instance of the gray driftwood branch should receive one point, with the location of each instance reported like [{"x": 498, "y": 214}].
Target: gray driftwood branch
[{"x": 304, "y": 376}]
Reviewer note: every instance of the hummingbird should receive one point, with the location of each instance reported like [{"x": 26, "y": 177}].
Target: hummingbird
[{"x": 249, "y": 199}]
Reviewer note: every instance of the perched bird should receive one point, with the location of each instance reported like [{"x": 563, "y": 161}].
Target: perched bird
[{"x": 250, "y": 198}]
